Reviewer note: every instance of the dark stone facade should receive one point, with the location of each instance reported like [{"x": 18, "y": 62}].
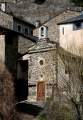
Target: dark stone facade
[
  {"x": 11, "y": 52},
  {"x": 41, "y": 60}
]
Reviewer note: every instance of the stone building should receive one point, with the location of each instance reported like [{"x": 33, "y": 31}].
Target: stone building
[
  {"x": 53, "y": 35},
  {"x": 24, "y": 42},
  {"x": 41, "y": 59},
  {"x": 12, "y": 30},
  {"x": 30, "y": 55}
]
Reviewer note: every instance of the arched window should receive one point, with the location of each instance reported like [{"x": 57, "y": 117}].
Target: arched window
[
  {"x": 63, "y": 30},
  {"x": 42, "y": 31},
  {"x": 31, "y": 32},
  {"x": 41, "y": 62}
]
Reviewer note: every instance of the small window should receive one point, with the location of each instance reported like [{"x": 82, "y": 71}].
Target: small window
[
  {"x": 31, "y": 32},
  {"x": 63, "y": 30},
  {"x": 42, "y": 31},
  {"x": 41, "y": 76},
  {"x": 77, "y": 26},
  {"x": 19, "y": 28},
  {"x": 26, "y": 31},
  {"x": 32, "y": 90},
  {"x": 66, "y": 71},
  {"x": 41, "y": 62}
]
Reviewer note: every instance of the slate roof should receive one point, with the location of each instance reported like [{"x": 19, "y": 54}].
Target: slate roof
[
  {"x": 72, "y": 20},
  {"x": 42, "y": 46},
  {"x": 29, "y": 11}
]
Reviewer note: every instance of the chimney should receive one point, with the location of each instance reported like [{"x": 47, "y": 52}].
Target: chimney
[
  {"x": 37, "y": 23},
  {"x": 3, "y": 6}
]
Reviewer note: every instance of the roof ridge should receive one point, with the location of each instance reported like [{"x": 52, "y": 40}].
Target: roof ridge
[{"x": 71, "y": 8}]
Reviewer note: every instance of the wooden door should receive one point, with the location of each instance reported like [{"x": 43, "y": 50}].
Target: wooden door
[{"x": 41, "y": 91}]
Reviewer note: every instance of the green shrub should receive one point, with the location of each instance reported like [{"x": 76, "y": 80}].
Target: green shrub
[
  {"x": 67, "y": 113},
  {"x": 77, "y": 2},
  {"x": 57, "y": 111},
  {"x": 42, "y": 116}
]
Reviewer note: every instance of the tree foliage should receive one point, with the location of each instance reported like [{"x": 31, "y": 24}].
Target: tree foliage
[
  {"x": 57, "y": 111},
  {"x": 77, "y": 2}
]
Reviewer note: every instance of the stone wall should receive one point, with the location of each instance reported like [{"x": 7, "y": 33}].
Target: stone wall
[
  {"x": 24, "y": 44},
  {"x": 6, "y": 20},
  {"x": 41, "y": 72},
  {"x": 41, "y": 68}
]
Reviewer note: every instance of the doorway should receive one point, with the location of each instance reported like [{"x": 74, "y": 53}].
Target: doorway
[
  {"x": 41, "y": 91},
  {"x": 22, "y": 80}
]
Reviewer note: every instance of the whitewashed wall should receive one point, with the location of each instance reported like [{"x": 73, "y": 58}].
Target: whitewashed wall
[
  {"x": 2, "y": 48},
  {"x": 67, "y": 29},
  {"x": 71, "y": 40}
]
